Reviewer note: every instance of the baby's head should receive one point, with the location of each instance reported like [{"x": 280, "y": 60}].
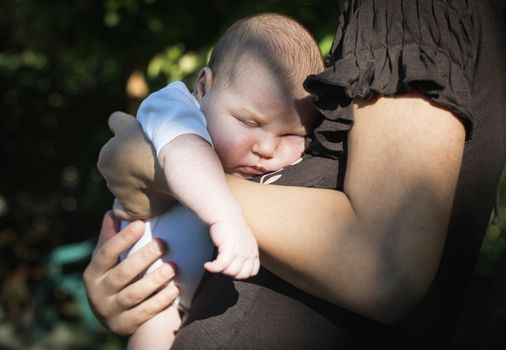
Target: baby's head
[
  {"x": 252, "y": 94},
  {"x": 278, "y": 41}
]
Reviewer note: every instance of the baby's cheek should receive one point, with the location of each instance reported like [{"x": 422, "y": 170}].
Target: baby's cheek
[
  {"x": 287, "y": 152},
  {"x": 292, "y": 146}
]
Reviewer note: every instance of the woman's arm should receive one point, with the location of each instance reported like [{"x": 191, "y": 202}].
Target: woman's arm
[
  {"x": 133, "y": 175},
  {"x": 375, "y": 247}
]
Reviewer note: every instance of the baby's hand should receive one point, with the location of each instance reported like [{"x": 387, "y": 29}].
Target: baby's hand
[{"x": 237, "y": 249}]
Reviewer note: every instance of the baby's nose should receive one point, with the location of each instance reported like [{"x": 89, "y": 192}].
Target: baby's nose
[{"x": 265, "y": 147}]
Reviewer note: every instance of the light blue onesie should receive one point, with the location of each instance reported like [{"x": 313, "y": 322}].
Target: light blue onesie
[{"x": 164, "y": 115}]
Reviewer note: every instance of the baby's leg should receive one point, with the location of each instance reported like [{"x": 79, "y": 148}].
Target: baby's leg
[{"x": 158, "y": 332}]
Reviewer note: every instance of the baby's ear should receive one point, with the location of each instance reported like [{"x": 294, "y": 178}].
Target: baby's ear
[{"x": 204, "y": 83}]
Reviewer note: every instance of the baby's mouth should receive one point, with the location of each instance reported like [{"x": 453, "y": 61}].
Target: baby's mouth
[{"x": 249, "y": 171}]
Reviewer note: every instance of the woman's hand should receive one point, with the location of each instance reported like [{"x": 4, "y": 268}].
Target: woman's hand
[
  {"x": 118, "y": 303},
  {"x": 128, "y": 164}
]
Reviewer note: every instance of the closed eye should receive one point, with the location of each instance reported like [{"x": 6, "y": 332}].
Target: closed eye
[
  {"x": 248, "y": 123},
  {"x": 295, "y": 136},
  {"x": 293, "y": 140}
]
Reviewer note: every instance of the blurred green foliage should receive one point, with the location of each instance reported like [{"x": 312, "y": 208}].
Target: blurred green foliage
[
  {"x": 65, "y": 66},
  {"x": 484, "y": 317}
]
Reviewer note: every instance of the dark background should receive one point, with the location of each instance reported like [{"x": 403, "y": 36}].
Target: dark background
[{"x": 64, "y": 67}]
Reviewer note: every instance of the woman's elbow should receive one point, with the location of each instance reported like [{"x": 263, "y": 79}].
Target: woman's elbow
[{"x": 391, "y": 299}]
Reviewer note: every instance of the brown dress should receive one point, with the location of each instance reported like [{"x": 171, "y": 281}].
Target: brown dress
[{"x": 452, "y": 51}]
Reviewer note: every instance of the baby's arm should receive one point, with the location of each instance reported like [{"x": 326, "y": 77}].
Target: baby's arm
[
  {"x": 176, "y": 126},
  {"x": 196, "y": 178}
]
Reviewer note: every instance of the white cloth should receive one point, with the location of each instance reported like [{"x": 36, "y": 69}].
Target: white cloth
[
  {"x": 170, "y": 112},
  {"x": 189, "y": 247},
  {"x": 164, "y": 115}
]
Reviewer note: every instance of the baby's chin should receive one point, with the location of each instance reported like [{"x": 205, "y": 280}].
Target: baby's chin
[{"x": 241, "y": 175}]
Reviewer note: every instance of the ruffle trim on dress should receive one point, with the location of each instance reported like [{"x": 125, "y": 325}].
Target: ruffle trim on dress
[{"x": 394, "y": 56}]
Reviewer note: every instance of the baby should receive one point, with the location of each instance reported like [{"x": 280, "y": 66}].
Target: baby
[{"x": 248, "y": 115}]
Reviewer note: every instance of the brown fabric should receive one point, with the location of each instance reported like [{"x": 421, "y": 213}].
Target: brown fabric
[
  {"x": 387, "y": 47},
  {"x": 265, "y": 312},
  {"x": 454, "y": 52}
]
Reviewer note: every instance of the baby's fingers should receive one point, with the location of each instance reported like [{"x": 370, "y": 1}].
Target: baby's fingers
[
  {"x": 249, "y": 269},
  {"x": 256, "y": 267},
  {"x": 246, "y": 271},
  {"x": 221, "y": 263},
  {"x": 235, "y": 268}
]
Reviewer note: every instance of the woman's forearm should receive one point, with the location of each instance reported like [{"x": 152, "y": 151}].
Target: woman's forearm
[
  {"x": 375, "y": 247},
  {"x": 310, "y": 238}
]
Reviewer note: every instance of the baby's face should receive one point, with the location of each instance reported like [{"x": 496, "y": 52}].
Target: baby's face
[{"x": 255, "y": 124}]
